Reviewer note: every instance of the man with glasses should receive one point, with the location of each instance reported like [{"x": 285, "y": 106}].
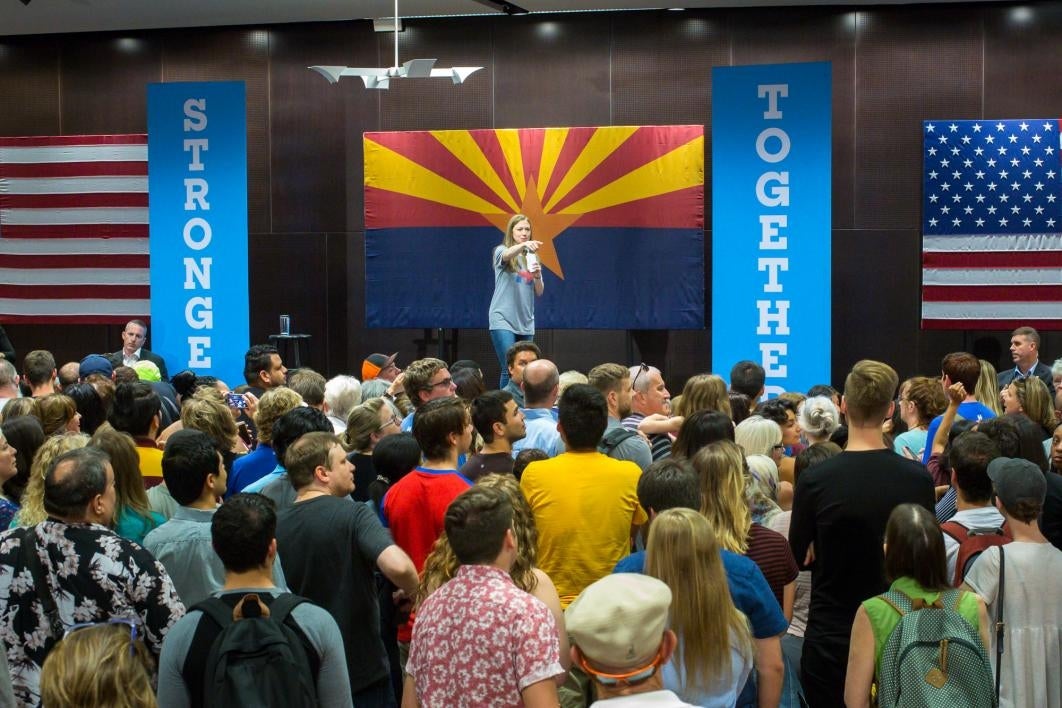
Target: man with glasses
[
  {"x": 426, "y": 380},
  {"x": 619, "y": 634},
  {"x": 72, "y": 569}
]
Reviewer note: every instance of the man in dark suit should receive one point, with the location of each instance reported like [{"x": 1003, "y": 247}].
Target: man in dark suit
[
  {"x": 1025, "y": 351},
  {"x": 133, "y": 337}
]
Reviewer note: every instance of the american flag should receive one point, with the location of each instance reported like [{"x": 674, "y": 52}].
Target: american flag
[
  {"x": 992, "y": 224},
  {"x": 73, "y": 229}
]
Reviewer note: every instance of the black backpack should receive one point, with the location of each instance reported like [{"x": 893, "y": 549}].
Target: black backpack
[
  {"x": 613, "y": 438},
  {"x": 257, "y": 655}
]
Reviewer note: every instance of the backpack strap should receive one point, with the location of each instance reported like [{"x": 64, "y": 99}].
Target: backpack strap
[
  {"x": 613, "y": 439},
  {"x": 952, "y": 598},
  {"x": 282, "y": 606},
  {"x": 280, "y": 610},
  {"x": 221, "y": 612},
  {"x": 957, "y": 531},
  {"x": 1000, "y": 624},
  {"x": 898, "y": 601},
  {"x": 217, "y": 610}
]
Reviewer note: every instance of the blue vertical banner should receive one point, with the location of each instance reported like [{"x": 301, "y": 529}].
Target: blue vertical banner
[
  {"x": 197, "y": 195},
  {"x": 771, "y": 229}
]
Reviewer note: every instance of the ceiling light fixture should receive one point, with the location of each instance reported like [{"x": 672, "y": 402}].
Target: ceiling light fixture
[{"x": 412, "y": 69}]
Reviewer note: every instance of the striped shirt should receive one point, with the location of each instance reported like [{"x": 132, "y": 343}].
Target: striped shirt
[{"x": 770, "y": 551}]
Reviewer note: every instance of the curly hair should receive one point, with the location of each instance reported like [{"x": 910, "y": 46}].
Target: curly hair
[
  {"x": 32, "y": 511},
  {"x": 441, "y": 564},
  {"x": 927, "y": 396}
]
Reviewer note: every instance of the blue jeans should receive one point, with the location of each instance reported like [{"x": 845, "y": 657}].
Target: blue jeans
[{"x": 502, "y": 339}]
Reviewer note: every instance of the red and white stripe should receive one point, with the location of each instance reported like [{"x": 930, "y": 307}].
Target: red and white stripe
[
  {"x": 74, "y": 229},
  {"x": 992, "y": 281}
]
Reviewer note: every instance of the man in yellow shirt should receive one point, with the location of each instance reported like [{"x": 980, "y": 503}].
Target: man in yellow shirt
[{"x": 585, "y": 503}]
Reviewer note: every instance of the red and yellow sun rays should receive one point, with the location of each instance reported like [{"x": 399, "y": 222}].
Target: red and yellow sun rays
[{"x": 650, "y": 176}]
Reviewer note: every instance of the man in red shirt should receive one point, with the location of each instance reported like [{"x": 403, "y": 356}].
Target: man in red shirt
[{"x": 414, "y": 508}]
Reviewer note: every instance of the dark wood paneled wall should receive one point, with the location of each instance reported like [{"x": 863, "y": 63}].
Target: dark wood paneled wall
[{"x": 892, "y": 68}]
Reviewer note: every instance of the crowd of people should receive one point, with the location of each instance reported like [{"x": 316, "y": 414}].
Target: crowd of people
[{"x": 418, "y": 538}]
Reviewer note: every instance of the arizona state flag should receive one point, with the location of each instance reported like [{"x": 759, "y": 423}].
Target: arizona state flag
[{"x": 619, "y": 210}]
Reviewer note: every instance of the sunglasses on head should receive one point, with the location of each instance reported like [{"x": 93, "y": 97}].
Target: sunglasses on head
[
  {"x": 131, "y": 622},
  {"x": 643, "y": 368}
]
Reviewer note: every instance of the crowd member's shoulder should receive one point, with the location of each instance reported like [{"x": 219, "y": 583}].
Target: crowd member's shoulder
[{"x": 822, "y": 470}]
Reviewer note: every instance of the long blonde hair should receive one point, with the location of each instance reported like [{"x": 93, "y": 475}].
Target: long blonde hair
[
  {"x": 96, "y": 666},
  {"x": 704, "y": 392},
  {"x": 1035, "y": 401},
  {"x": 441, "y": 564},
  {"x": 721, "y": 467},
  {"x": 509, "y": 241},
  {"x": 987, "y": 390},
  {"x": 683, "y": 552},
  {"x": 32, "y": 511}
]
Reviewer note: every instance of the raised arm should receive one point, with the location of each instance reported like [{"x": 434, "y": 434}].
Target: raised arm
[{"x": 956, "y": 395}]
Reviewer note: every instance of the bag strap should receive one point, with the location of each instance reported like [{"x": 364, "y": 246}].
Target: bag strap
[
  {"x": 1000, "y": 625},
  {"x": 895, "y": 600},
  {"x": 32, "y": 562},
  {"x": 956, "y": 530},
  {"x": 217, "y": 610},
  {"x": 614, "y": 438},
  {"x": 951, "y": 598},
  {"x": 282, "y": 606}
]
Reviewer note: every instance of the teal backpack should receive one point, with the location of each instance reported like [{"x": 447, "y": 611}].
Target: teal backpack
[{"x": 933, "y": 657}]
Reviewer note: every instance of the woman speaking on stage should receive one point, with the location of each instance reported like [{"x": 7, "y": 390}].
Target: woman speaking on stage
[{"x": 517, "y": 281}]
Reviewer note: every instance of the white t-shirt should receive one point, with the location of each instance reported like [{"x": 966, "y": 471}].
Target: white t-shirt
[
  {"x": 653, "y": 699},
  {"x": 1032, "y": 612}
]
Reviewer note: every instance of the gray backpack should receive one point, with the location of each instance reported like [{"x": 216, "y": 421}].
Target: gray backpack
[{"x": 933, "y": 657}]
